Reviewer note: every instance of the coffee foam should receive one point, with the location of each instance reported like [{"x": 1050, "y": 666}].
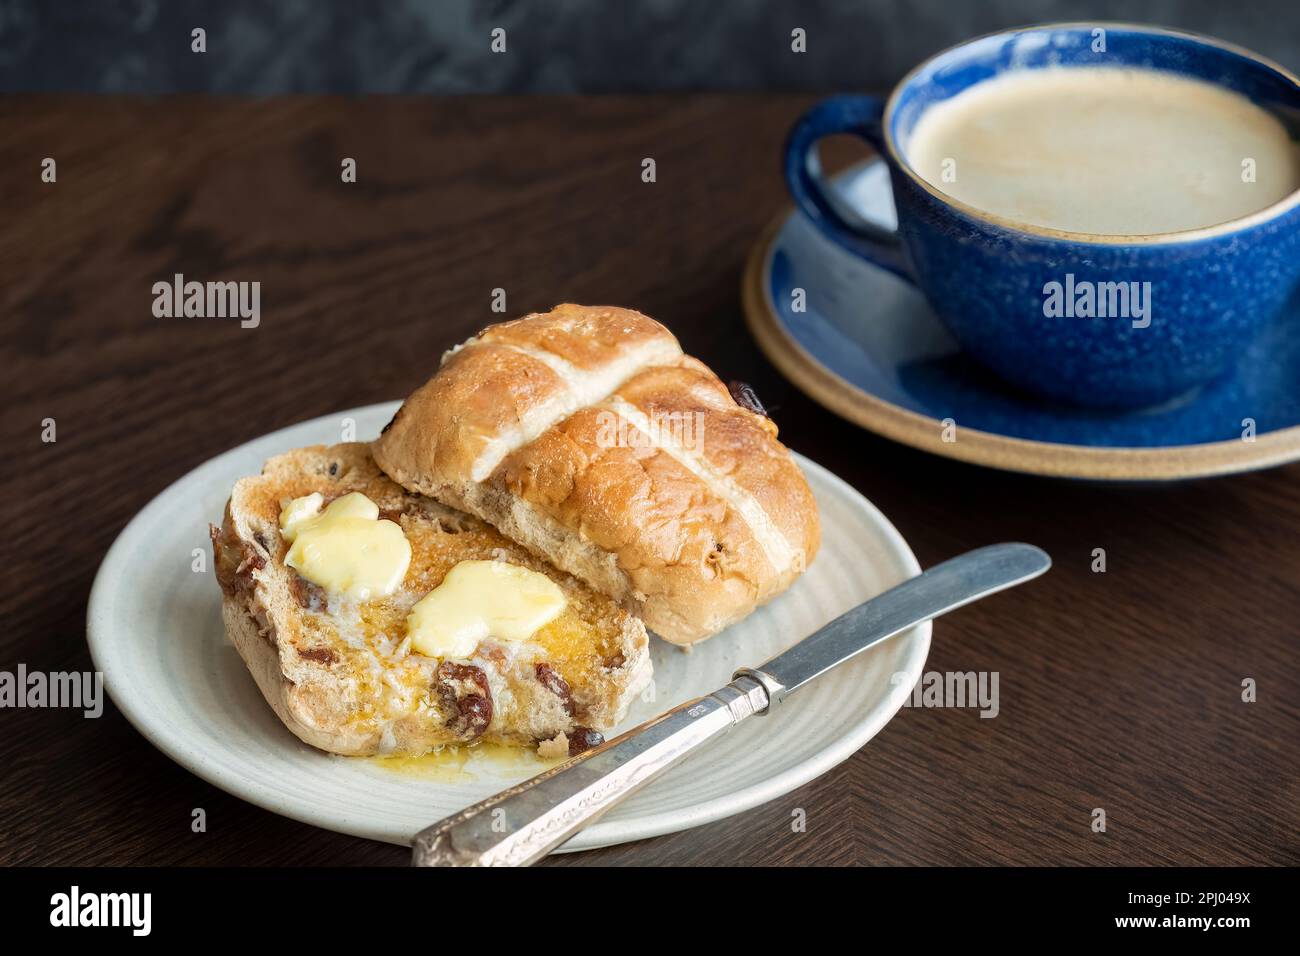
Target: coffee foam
[{"x": 1105, "y": 150}]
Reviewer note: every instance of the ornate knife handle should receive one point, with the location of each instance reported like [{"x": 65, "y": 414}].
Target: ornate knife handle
[{"x": 522, "y": 824}]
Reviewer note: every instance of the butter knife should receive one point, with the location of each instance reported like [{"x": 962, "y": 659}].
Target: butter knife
[{"x": 523, "y": 823}]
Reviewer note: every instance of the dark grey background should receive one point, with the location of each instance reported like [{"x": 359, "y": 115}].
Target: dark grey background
[{"x": 553, "y": 46}]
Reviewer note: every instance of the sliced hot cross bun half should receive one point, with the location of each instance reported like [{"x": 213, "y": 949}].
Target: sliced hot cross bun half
[
  {"x": 586, "y": 435},
  {"x": 344, "y": 673}
]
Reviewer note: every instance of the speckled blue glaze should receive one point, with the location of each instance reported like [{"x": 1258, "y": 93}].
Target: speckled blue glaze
[
  {"x": 878, "y": 333},
  {"x": 1212, "y": 290}
]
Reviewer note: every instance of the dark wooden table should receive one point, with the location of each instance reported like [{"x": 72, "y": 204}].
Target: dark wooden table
[{"x": 1119, "y": 690}]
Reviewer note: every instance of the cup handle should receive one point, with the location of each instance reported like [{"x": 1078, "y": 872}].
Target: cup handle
[{"x": 861, "y": 116}]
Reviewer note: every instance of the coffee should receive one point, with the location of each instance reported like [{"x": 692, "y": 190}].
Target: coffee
[{"x": 1106, "y": 151}]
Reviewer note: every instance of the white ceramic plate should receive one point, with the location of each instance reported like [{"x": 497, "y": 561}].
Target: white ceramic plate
[{"x": 155, "y": 631}]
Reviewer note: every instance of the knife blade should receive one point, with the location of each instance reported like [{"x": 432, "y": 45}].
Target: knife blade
[{"x": 943, "y": 588}]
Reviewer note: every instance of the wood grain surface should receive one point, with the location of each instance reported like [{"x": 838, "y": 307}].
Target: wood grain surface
[{"x": 1119, "y": 690}]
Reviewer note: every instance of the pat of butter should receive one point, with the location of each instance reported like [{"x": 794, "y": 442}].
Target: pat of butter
[
  {"x": 478, "y": 599},
  {"x": 345, "y": 548}
]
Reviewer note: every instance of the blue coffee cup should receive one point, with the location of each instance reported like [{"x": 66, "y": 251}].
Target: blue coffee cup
[{"x": 1211, "y": 289}]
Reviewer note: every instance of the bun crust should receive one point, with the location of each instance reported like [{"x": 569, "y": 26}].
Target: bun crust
[
  {"x": 338, "y": 675},
  {"x": 586, "y": 435}
]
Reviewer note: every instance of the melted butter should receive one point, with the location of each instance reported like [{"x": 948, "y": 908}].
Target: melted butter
[
  {"x": 478, "y": 599},
  {"x": 464, "y": 764},
  {"x": 346, "y": 548},
  {"x": 574, "y": 648}
]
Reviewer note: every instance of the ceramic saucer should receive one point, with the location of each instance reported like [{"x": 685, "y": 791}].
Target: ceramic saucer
[{"x": 865, "y": 344}]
